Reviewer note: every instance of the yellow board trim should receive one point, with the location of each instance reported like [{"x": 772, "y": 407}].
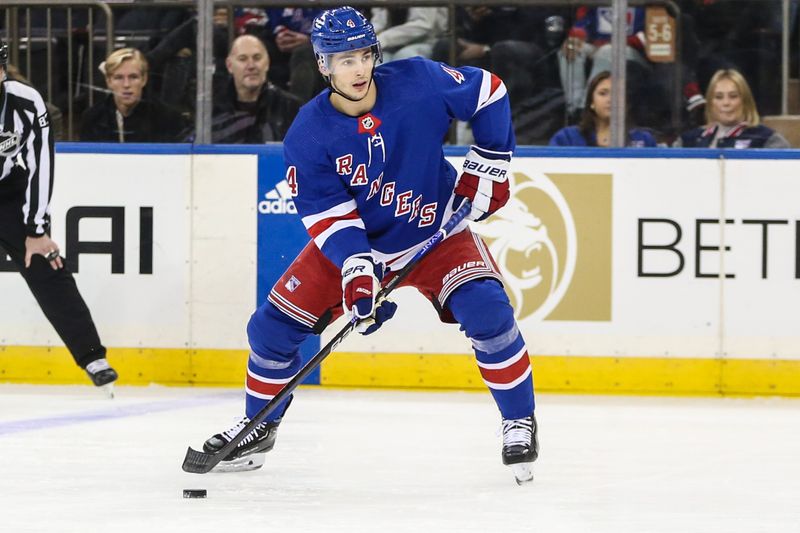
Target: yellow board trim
[
  {"x": 596, "y": 375},
  {"x": 603, "y": 375},
  {"x": 136, "y": 366}
]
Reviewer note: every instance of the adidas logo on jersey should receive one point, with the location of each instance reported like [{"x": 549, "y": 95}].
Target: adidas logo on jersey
[{"x": 278, "y": 201}]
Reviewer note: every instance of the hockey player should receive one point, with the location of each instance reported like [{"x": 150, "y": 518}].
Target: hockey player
[
  {"x": 26, "y": 183},
  {"x": 366, "y": 169}
]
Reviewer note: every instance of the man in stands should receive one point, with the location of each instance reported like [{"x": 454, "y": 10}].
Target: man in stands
[{"x": 251, "y": 110}]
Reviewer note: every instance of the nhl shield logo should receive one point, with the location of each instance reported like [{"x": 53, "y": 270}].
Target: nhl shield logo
[
  {"x": 368, "y": 123},
  {"x": 9, "y": 143},
  {"x": 350, "y": 23}
]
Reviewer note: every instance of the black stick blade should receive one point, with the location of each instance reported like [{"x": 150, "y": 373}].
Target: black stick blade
[{"x": 199, "y": 462}]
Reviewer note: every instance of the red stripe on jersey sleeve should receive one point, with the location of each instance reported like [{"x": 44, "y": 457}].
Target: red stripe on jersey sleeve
[
  {"x": 506, "y": 375},
  {"x": 324, "y": 224}
]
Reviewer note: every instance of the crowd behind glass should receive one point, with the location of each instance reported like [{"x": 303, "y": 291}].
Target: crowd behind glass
[{"x": 702, "y": 79}]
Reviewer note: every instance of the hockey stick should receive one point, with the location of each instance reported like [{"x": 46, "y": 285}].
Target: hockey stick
[{"x": 201, "y": 462}]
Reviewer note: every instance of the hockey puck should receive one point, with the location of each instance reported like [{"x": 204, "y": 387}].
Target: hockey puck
[{"x": 195, "y": 493}]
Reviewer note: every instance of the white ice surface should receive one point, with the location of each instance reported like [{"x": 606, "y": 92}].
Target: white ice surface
[{"x": 385, "y": 461}]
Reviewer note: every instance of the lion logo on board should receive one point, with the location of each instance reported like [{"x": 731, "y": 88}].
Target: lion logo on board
[{"x": 534, "y": 241}]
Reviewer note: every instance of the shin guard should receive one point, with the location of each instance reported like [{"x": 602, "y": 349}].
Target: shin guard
[
  {"x": 487, "y": 318},
  {"x": 274, "y": 357}
]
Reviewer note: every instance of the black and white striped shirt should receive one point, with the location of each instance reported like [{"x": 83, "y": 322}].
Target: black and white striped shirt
[{"x": 26, "y": 152}]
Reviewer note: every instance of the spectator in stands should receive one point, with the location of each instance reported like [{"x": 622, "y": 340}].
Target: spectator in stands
[
  {"x": 252, "y": 110},
  {"x": 123, "y": 116},
  {"x": 595, "y": 125},
  {"x": 408, "y": 32},
  {"x": 589, "y": 41},
  {"x": 289, "y": 45},
  {"x": 732, "y": 118}
]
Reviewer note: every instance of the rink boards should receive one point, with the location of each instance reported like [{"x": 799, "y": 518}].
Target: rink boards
[{"x": 620, "y": 268}]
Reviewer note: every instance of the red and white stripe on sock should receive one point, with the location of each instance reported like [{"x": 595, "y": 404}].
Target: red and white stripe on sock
[{"x": 506, "y": 374}]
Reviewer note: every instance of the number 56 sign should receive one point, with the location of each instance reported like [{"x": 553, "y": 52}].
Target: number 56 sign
[{"x": 660, "y": 37}]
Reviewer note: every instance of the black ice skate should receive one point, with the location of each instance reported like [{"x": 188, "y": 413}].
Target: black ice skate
[
  {"x": 249, "y": 454},
  {"x": 102, "y": 375},
  {"x": 520, "y": 447}
]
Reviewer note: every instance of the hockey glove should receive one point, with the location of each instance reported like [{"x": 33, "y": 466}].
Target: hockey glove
[
  {"x": 361, "y": 277},
  {"x": 484, "y": 181},
  {"x": 384, "y": 311}
]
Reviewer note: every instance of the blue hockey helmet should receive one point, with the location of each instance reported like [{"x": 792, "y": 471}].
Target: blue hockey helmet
[{"x": 341, "y": 30}]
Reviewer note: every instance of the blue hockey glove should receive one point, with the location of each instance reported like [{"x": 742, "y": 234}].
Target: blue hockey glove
[
  {"x": 484, "y": 181},
  {"x": 385, "y": 310}
]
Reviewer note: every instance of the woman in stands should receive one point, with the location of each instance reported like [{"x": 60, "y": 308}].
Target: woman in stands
[
  {"x": 732, "y": 120},
  {"x": 123, "y": 116},
  {"x": 595, "y": 125}
]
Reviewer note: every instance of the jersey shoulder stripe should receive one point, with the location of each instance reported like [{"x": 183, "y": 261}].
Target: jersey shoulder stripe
[{"x": 492, "y": 90}]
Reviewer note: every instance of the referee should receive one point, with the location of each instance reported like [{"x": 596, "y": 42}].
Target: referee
[{"x": 26, "y": 184}]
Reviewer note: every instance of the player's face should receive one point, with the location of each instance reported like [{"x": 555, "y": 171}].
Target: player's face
[
  {"x": 351, "y": 72},
  {"x": 248, "y": 63},
  {"x": 601, "y": 99},
  {"x": 726, "y": 103},
  {"x": 127, "y": 83}
]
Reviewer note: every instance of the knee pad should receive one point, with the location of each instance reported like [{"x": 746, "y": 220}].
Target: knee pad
[
  {"x": 273, "y": 336},
  {"x": 484, "y": 312}
]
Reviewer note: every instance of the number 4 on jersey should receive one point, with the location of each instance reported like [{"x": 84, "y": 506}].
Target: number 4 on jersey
[{"x": 291, "y": 179}]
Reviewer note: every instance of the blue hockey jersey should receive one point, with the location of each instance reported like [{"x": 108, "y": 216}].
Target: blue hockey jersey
[{"x": 379, "y": 183}]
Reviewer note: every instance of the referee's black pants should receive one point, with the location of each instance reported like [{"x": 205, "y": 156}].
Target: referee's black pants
[{"x": 55, "y": 290}]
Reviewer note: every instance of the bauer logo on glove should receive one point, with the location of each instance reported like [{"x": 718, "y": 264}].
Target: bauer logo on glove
[
  {"x": 484, "y": 181},
  {"x": 477, "y": 168}
]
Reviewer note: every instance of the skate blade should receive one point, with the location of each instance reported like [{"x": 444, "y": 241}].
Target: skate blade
[
  {"x": 107, "y": 390},
  {"x": 522, "y": 472},
  {"x": 242, "y": 464}
]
